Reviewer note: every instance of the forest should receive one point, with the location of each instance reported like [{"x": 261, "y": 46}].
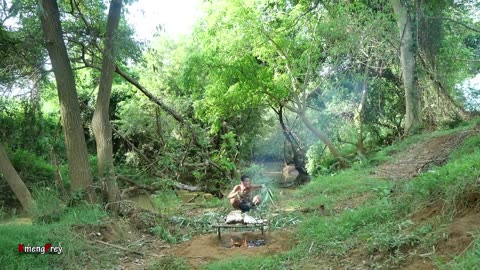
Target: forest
[{"x": 358, "y": 121}]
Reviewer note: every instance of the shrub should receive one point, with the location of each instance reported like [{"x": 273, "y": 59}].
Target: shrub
[{"x": 32, "y": 168}]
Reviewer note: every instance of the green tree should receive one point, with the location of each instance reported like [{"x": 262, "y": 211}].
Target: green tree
[
  {"x": 408, "y": 47},
  {"x": 101, "y": 117},
  {"x": 81, "y": 176}
]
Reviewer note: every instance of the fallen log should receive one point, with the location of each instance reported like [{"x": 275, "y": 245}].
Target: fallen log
[
  {"x": 175, "y": 184},
  {"x": 190, "y": 188}
]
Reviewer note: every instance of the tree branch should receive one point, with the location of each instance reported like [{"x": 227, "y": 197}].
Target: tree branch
[
  {"x": 457, "y": 22},
  {"x": 130, "y": 144},
  {"x": 142, "y": 89}
]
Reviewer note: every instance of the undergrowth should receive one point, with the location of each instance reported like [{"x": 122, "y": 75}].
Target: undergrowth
[{"x": 52, "y": 223}]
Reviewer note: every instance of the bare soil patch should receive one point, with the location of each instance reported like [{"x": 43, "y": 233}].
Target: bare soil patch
[
  {"x": 459, "y": 234},
  {"x": 208, "y": 247},
  {"x": 428, "y": 212},
  {"x": 420, "y": 156},
  {"x": 457, "y": 240},
  {"x": 419, "y": 263}
]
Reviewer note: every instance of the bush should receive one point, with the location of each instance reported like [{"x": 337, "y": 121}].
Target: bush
[
  {"x": 48, "y": 206},
  {"x": 163, "y": 233},
  {"x": 32, "y": 168}
]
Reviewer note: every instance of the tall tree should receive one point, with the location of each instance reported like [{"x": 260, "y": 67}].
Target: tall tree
[
  {"x": 101, "y": 117},
  {"x": 80, "y": 174},
  {"x": 15, "y": 182},
  {"x": 408, "y": 45},
  {"x": 298, "y": 154}
]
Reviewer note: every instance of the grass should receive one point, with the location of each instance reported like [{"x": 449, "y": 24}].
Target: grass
[
  {"x": 166, "y": 202},
  {"x": 385, "y": 153},
  {"x": 169, "y": 262},
  {"x": 471, "y": 260},
  {"x": 381, "y": 225},
  {"x": 52, "y": 223},
  {"x": 450, "y": 182},
  {"x": 77, "y": 253}
]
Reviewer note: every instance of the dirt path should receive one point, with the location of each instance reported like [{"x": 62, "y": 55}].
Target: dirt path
[{"x": 420, "y": 156}]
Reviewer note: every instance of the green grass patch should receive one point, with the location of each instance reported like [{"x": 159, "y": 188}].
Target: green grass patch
[
  {"x": 169, "y": 262},
  {"x": 343, "y": 186},
  {"x": 83, "y": 214},
  {"x": 214, "y": 203},
  {"x": 240, "y": 262},
  {"x": 52, "y": 223},
  {"x": 166, "y": 202},
  {"x": 77, "y": 253},
  {"x": 449, "y": 182},
  {"x": 385, "y": 153}
]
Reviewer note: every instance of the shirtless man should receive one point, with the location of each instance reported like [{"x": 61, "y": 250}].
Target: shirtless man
[{"x": 241, "y": 195}]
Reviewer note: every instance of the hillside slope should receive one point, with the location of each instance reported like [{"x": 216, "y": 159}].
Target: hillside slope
[{"x": 364, "y": 218}]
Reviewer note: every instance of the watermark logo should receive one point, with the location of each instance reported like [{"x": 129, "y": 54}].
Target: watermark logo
[{"x": 46, "y": 249}]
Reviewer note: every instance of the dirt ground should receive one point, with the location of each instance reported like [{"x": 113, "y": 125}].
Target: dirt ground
[
  {"x": 205, "y": 248},
  {"x": 420, "y": 156},
  {"x": 459, "y": 234}
]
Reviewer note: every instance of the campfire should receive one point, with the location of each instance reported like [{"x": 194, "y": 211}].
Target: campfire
[
  {"x": 255, "y": 243},
  {"x": 238, "y": 220},
  {"x": 246, "y": 243}
]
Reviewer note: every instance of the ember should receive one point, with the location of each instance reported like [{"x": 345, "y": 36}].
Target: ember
[
  {"x": 245, "y": 243},
  {"x": 255, "y": 243}
]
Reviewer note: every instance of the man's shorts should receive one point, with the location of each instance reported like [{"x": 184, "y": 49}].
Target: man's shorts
[{"x": 245, "y": 206}]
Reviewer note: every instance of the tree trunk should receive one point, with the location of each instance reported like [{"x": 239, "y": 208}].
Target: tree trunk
[
  {"x": 80, "y": 174},
  {"x": 407, "y": 61},
  {"x": 322, "y": 137},
  {"x": 101, "y": 117},
  {"x": 15, "y": 182},
  {"x": 359, "y": 115},
  {"x": 298, "y": 155}
]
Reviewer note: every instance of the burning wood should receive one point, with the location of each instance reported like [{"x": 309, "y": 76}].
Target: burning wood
[
  {"x": 245, "y": 243},
  {"x": 238, "y": 241},
  {"x": 255, "y": 243}
]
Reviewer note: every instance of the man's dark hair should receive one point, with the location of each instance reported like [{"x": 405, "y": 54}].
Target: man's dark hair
[{"x": 244, "y": 177}]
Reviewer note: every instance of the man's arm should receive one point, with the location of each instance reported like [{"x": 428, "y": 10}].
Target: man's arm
[
  {"x": 234, "y": 192},
  {"x": 257, "y": 186}
]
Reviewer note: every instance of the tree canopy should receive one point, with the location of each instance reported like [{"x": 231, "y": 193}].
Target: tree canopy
[{"x": 317, "y": 84}]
